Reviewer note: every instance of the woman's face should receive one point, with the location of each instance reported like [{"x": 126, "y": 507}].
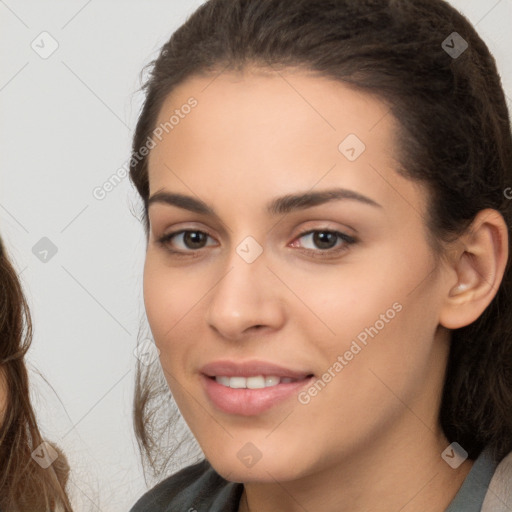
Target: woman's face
[{"x": 305, "y": 268}]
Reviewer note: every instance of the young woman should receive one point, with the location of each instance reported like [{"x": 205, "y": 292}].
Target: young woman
[
  {"x": 326, "y": 279},
  {"x": 25, "y": 484}
]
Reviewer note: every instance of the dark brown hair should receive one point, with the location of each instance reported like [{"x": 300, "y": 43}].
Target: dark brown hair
[
  {"x": 24, "y": 484},
  {"x": 455, "y": 138}
]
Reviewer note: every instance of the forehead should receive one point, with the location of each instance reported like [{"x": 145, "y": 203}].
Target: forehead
[
  {"x": 290, "y": 104},
  {"x": 276, "y": 130}
]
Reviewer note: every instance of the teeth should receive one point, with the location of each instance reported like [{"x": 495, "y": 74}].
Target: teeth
[
  {"x": 271, "y": 381},
  {"x": 223, "y": 380},
  {"x": 237, "y": 382},
  {"x": 256, "y": 382}
]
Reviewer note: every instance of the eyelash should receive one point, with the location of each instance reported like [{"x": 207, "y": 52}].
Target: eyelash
[{"x": 319, "y": 253}]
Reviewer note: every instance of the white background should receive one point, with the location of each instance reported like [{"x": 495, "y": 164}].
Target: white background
[{"x": 65, "y": 128}]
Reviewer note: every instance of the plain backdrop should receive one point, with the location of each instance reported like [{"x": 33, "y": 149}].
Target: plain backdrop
[{"x": 65, "y": 128}]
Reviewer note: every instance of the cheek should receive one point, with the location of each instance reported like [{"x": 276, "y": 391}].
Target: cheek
[
  {"x": 345, "y": 301},
  {"x": 167, "y": 300},
  {"x": 167, "y": 303},
  {"x": 389, "y": 351},
  {"x": 174, "y": 298},
  {"x": 381, "y": 315}
]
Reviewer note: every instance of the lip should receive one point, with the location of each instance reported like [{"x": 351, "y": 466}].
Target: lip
[
  {"x": 250, "y": 368},
  {"x": 250, "y": 402}
]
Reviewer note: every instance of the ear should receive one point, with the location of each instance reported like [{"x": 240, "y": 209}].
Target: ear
[{"x": 476, "y": 268}]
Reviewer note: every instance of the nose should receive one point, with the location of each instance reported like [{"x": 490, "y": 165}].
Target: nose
[{"x": 245, "y": 300}]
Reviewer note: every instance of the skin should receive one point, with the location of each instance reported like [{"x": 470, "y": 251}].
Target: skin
[{"x": 370, "y": 440}]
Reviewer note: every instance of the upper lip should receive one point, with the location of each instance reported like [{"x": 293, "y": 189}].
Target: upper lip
[{"x": 250, "y": 369}]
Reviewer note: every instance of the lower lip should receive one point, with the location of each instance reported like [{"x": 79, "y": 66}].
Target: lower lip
[{"x": 250, "y": 402}]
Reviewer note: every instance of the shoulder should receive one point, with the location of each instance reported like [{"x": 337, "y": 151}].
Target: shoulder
[
  {"x": 499, "y": 493},
  {"x": 195, "y": 488}
]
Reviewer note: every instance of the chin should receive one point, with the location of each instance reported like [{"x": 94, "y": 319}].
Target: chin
[
  {"x": 269, "y": 469},
  {"x": 261, "y": 474}
]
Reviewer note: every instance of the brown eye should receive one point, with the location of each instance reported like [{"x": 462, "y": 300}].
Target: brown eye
[
  {"x": 325, "y": 239},
  {"x": 186, "y": 241},
  {"x": 323, "y": 243},
  {"x": 194, "y": 239}
]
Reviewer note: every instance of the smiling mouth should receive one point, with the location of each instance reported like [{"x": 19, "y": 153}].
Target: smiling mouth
[
  {"x": 251, "y": 389},
  {"x": 255, "y": 382}
]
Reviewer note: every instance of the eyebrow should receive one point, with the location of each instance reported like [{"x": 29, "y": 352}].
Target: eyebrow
[{"x": 278, "y": 206}]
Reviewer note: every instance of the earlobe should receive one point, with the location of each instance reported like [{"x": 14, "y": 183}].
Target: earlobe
[{"x": 478, "y": 267}]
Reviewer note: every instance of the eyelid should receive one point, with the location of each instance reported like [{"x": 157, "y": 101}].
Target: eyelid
[
  {"x": 178, "y": 227},
  {"x": 163, "y": 216},
  {"x": 325, "y": 225}
]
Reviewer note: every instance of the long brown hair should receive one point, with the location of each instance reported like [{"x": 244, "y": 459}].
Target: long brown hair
[
  {"x": 429, "y": 65},
  {"x": 24, "y": 485}
]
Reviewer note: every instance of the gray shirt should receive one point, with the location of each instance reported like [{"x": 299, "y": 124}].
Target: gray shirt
[
  {"x": 472, "y": 492},
  {"x": 199, "y": 488}
]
